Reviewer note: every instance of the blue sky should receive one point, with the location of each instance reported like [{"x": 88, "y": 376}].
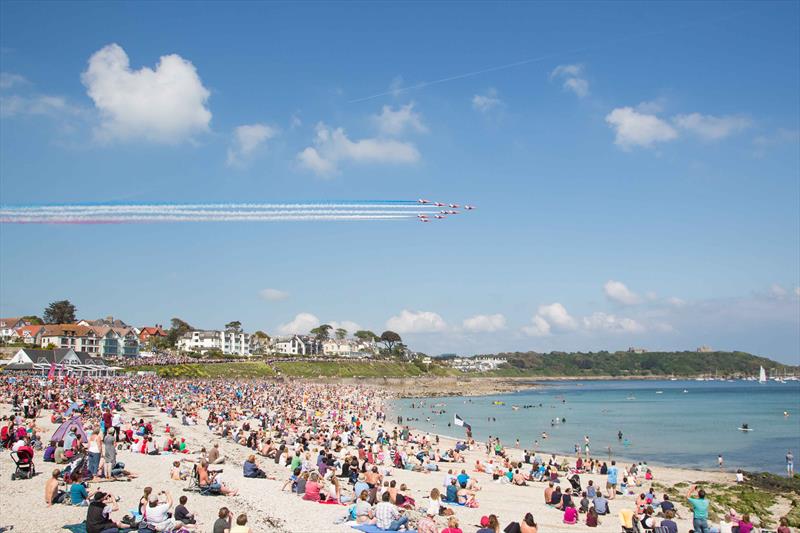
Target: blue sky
[{"x": 637, "y": 179}]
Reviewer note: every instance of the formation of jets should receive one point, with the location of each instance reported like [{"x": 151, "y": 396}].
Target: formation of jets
[{"x": 444, "y": 212}]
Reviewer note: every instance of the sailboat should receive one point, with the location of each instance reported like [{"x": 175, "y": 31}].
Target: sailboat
[{"x": 762, "y": 375}]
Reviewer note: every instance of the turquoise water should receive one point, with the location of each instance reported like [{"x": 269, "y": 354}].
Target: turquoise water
[{"x": 671, "y": 427}]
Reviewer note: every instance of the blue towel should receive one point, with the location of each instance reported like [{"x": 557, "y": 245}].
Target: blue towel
[
  {"x": 372, "y": 528},
  {"x": 76, "y": 528}
]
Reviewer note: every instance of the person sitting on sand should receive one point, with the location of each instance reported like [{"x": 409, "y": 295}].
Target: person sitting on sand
[
  {"x": 214, "y": 457},
  {"x": 452, "y": 526},
  {"x": 601, "y": 504},
  {"x": 528, "y": 524},
  {"x": 570, "y": 515},
  {"x": 52, "y": 494},
  {"x": 427, "y": 524},
  {"x": 250, "y": 468},
  {"x": 745, "y": 525},
  {"x": 223, "y": 522},
  {"x": 668, "y": 523},
  {"x": 78, "y": 494},
  {"x": 387, "y": 516},
  {"x": 156, "y": 513},
  {"x": 241, "y": 525},
  {"x": 98, "y": 515},
  {"x": 182, "y": 514},
  {"x": 555, "y": 498},
  {"x": 313, "y": 488},
  {"x": 364, "y": 511}
]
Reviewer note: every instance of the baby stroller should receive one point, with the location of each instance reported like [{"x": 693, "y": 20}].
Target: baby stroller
[
  {"x": 575, "y": 481},
  {"x": 79, "y": 465},
  {"x": 25, "y": 467}
]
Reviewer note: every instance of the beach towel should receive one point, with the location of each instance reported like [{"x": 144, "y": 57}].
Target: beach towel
[
  {"x": 330, "y": 502},
  {"x": 372, "y": 528}
]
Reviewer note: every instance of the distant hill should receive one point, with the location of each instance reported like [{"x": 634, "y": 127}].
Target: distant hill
[{"x": 637, "y": 364}]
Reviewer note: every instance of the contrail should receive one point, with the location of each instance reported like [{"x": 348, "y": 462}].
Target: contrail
[
  {"x": 110, "y": 213},
  {"x": 552, "y": 55}
]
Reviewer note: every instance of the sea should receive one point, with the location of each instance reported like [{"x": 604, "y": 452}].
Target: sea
[{"x": 674, "y": 423}]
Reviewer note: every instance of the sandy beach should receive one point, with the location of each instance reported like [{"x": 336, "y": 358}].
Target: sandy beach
[{"x": 269, "y": 509}]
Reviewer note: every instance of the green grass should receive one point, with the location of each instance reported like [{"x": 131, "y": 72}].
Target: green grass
[
  {"x": 327, "y": 369},
  {"x": 350, "y": 369},
  {"x": 216, "y": 370}
]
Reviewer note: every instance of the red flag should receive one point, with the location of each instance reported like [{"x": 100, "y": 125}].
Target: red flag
[{"x": 52, "y": 373}]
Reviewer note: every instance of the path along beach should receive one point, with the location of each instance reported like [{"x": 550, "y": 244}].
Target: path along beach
[{"x": 259, "y": 418}]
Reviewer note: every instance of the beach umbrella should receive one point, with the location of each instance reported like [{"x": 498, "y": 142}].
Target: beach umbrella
[{"x": 64, "y": 428}]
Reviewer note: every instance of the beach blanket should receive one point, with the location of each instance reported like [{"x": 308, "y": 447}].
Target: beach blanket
[
  {"x": 81, "y": 528},
  {"x": 372, "y": 528},
  {"x": 330, "y": 502}
]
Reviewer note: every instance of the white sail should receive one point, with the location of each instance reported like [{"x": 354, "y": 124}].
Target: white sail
[{"x": 762, "y": 376}]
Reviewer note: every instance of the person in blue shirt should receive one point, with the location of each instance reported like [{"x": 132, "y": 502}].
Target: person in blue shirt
[
  {"x": 591, "y": 491},
  {"x": 78, "y": 494},
  {"x": 699, "y": 506},
  {"x": 452, "y": 492},
  {"x": 463, "y": 479},
  {"x": 611, "y": 482}
]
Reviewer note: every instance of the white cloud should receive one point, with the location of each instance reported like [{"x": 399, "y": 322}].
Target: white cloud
[
  {"x": 273, "y": 295},
  {"x": 9, "y": 80},
  {"x": 634, "y": 128},
  {"x": 416, "y": 322},
  {"x": 781, "y": 136},
  {"x": 295, "y": 121},
  {"x": 676, "y": 302},
  {"x": 652, "y": 107},
  {"x": 573, "y": 79},
  {"x": 485, "y": 323},
  {"x": 549, "y": 318},
  {"x": 349, "y": 325},
  {"x": 333, "y": 146},
  {"x": 302, "y": 324},
  {"x": 537, "y": 328},
  {"x": 619, "y": 292},
  {"x": 167, "y": 104},
  {"x": 606, "y": 322},
  {"x": 486, "y": 102},
  {"x": 777, "y": 291},
  {"x": 42, "y": 105},
  {"x": 395, "y": 122},
  {"x": 710, "y": 127},
  {"x": 246, "y": 139},
  {"x": 556, "y": 315}
]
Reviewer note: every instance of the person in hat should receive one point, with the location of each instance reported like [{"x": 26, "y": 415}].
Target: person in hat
[
  {"x": 98, "y": 515},
  {"x": 489, "y": 524},
  {"x": 361, "y": 484}
]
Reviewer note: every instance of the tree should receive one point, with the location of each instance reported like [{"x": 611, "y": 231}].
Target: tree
[
  {"x": 177, "y": 330},
  {"x": 61, "y": 312},
  {"x": 235, "y": 325},
  {"x": 261, "y": 335},
  {"x": 390, "y": 339},
  {"x": 341, "y": 333},
  {"x": 365, "y": 335},
  {"x": 33, "y": 320},
  {"x": 322, "y": 333}
]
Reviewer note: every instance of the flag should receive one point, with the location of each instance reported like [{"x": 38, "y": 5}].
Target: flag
[
  {"x": 52, "y": 373},
  {"x": 460, "y": 422}
]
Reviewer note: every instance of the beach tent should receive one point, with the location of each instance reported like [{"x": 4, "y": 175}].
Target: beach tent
[{"x": 64, "y": 428}]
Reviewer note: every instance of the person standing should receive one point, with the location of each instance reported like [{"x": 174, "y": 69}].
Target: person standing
[
  {"x": 699, "y": 509},
  {"x": 95, "y": 444},
  {"x": 790, "y": 463},
  {"x": 109, "y": 452},
  {"x": 719, "y": 461},
  {"x": 611, "y": 481}
]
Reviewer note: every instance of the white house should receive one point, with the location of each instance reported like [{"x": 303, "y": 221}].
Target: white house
[
  {"x": 8, "y": 326},
  {"x": 229, "y": 342},
  {"x": 28, "y": 335},
  {"x": 346, "y": 348},
  {"x": 79, "y": 338},
  {"x": 298, "y": 345}
]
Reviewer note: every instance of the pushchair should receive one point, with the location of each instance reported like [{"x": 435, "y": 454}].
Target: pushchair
[
  {"x": 575, "y": 481},
  {"x": 78, "y": 465},
  {"x": 23, "y": 459}
]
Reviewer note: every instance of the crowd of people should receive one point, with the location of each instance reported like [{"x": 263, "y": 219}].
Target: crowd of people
[{"x": 328, "y": 444}]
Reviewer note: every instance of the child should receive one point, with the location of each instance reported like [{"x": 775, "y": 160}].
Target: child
[
  {"x": 175, "y": 471},
  {"x": 182, "y": 514}
]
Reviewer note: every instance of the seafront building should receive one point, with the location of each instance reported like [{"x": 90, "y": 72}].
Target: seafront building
[
  {"x": 229, "y": 342},
  {"x": 61, "y": 361},
  {"x": 298, "y": 345}
]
